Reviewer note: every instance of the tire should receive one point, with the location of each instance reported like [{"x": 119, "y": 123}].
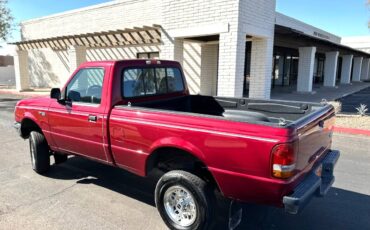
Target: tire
[
  {"x": 170, "y": 205},
  {"x": 60, "y": 158},
  {"x": 39, "y": 151}
]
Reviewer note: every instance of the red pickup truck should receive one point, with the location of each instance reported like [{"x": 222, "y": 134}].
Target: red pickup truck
[{"x": 138, "y": 115}]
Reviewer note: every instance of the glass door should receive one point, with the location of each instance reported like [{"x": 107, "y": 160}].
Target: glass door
[
  {"x": 247, "y": 67},
  {"x": 285, "y": 70},
  {"x": 318, "y": 77}
]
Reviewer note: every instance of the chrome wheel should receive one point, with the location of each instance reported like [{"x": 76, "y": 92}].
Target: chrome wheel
[
  {"x": 180, "y": 206},
  {"x": 33, "y": 158}
]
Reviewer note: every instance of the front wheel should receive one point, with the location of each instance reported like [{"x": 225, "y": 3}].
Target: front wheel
[
  {"x": 39, "y": 150},
  {"x": 184, "y": 200}
]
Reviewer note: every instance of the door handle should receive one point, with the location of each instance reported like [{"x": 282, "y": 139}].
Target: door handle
[{"x": 92, "y": 118}]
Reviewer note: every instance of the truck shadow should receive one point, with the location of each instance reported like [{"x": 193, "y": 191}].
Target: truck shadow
[{"x": 340, "y": 209}]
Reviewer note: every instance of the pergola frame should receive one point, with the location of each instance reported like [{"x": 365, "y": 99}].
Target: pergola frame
[{"x": 125, "y": 37}]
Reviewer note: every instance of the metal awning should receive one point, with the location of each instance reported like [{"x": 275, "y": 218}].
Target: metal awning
[
  {"x": 134, "y": 36},
  {"x": 291, "y": 38}
]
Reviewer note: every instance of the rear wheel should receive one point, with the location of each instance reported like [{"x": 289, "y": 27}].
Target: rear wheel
[
  {"x": 39, "y": 150},
  {"x": 184, "y": 200}
]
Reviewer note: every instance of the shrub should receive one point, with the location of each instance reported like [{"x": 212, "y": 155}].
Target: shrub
[{"x": 362, "y": 110}]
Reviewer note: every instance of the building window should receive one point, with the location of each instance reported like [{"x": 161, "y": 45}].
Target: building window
[
  {"x": 285, "y": 67},
  {"x": 319, "y": 68},
  {"x": 247, "y": 67},
  {"x": 148, "y": 55}
]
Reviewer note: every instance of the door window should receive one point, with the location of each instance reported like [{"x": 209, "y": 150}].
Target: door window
[{"x": 86, "y": 86}]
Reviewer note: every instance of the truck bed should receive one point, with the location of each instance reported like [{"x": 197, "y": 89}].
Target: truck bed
[
  {"x": 268, "y": 112},
  {"x": 240, "y": 131}
]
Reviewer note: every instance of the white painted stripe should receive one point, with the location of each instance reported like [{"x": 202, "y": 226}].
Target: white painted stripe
[
  {"x": 72, "y": 112},
  {"x": 32, "y": 107},
  {"x": 195, "y": 129},
  {"x": 53, "y": 110},
  {"x": 140, "y": 152}
]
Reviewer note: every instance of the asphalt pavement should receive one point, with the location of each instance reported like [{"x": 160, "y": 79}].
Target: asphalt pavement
[
  {"x": 82, "y": 194},
  {"x": 353, "y": 101}
]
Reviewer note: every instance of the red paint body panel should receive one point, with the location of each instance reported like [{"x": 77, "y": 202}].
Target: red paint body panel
[
  {"x": 237, "y": 154},
  {"x": 72, "y": 132}
]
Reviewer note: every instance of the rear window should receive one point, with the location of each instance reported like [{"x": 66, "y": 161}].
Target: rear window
[{"x": 139, "y": 82}]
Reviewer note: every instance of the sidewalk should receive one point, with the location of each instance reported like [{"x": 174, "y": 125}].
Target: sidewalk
[{"x": 25, "y": 94}]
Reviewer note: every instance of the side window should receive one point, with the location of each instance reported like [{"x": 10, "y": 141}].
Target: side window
[
  {"x": 151, "y": 81},
  {"x": 86, "y": 86}
]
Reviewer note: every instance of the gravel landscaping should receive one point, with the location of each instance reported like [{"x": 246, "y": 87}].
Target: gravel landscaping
[
  {"x": 353, "y": 121},
  {"x": 347, "y": 113}
]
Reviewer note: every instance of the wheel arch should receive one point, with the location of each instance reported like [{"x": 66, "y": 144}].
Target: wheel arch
[
  {"x": 28, "y": 125},
  {"x": 167, "y": 158}
]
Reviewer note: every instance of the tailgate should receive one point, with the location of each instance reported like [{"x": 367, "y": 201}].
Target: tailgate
[{"x": 314, "y": 137}]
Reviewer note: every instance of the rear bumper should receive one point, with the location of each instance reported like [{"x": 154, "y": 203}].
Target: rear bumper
[{"x": 317, "y": 183}]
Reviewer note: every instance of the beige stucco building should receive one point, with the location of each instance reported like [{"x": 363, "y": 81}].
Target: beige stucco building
[{"x": 227, "y": 47}]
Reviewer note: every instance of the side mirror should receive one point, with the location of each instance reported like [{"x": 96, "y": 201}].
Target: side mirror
[{"x": 55, "y": 93}]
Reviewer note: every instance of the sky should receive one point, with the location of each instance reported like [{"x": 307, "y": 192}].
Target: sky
[
  {"x": 341, "y": 17},
  {"x": 28, "y": 9}
]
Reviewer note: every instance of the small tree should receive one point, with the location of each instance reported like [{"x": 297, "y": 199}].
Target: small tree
[
  {"x": 368, "y": 6},
  {"x": 6, "y": 20}
]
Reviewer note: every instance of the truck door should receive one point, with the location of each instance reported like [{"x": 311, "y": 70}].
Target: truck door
[{"x": 77, "y": 126}]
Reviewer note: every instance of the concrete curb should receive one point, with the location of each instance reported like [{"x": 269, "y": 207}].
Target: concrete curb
[
  {"x": 352, "y": 131},
  {"x": 23, "y": 94}
]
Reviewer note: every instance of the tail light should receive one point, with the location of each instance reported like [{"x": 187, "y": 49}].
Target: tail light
[{"x": 284, "y": 157}]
